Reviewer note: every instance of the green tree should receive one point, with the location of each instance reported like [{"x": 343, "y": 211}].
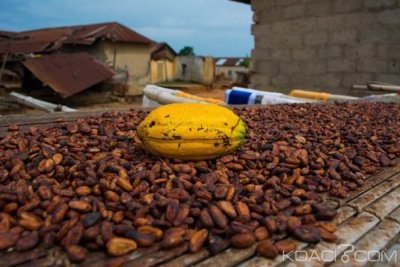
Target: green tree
[
  {"x": 246, "y": 62},
  {"x": 186, "y": 51}
]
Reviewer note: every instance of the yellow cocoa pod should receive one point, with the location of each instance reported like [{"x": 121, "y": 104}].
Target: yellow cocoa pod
[{"x": 191, "y": 131}]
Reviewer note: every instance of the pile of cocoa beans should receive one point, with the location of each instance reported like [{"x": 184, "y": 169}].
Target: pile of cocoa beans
[{"x": 87, "y": 185}]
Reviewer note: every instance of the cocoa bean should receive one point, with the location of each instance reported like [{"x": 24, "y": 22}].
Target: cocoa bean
[
  {"x": 261, "y": 233},
  {"x": 85, "y": 181},
  {"x": 27, "y": 242},
  {"x": 243, "y": 240},
  {"x": 154, "y": 231},
  {"x": 118, "y": 246},
  {"x": 218, "y": 217},
  {"x": 76, "y": 253},
  {"x": 267, "y": 249},
  {"x": 243, "y": 211},
  {"x": 80, "y": 206},
  {"x": 227, "y": 208},
  {"x": 173, "y": 237},
  {"x": 172, "y": 210},
  {"x": 330, "y": 227},
  {"x": 182, "y": 215},
  {"x": 307, "y": 233},
  {"x": 270, "y": 224},
  {"x": 216, "y": 244},
  {"x": 293, "y": 222},
  {"x": 284, "y": 246},
  {"x": 90, "y": 219},
  {"x": 197, "y": 240},
  {"x": 327, "y": 236},
  {"x": 83, "y": 190},
  {"x": 8, "y": 240},
  {"x": 324, "y": 213},
  {"x": 73, "y": 236},
  {"x": 141, "y": 239},
  {"x": 303, "y": 210},
  {"x": 91, "y": 233}
]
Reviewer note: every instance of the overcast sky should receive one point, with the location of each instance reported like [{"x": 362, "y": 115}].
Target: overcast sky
[{"x": 212, "y": 27}]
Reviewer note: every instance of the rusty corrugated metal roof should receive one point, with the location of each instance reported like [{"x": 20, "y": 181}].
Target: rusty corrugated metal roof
[
  {"x": 68, "y": 74},
  {"x": 160, "y": 51},
  {"x": 52, "y": 38},
  {"x": 22, "y": 47},
  {"x": 113, "y": 31},
  {"x": 7, "y": 35}
]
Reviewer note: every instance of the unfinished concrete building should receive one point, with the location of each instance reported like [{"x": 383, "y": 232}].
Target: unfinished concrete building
[{"x": 325, "y": 45}]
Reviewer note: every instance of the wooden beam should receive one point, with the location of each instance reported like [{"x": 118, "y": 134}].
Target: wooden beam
[
  {"x": 39, "y": 104},
  {"x": 3, "y": 65}
]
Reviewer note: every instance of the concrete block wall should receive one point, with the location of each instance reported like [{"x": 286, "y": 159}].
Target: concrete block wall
[{"x": 325, "y": 44}]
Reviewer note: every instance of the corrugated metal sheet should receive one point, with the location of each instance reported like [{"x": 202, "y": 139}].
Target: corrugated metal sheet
[
  {"x": 22, "y": 47},
  {"x": 242, "y": 1},
  {"x": 162, "y": 51},
  {"x": 68, "y": 74},
  {"x": 53, "y": 38},
  {"x": 113, "y": 31},
  {"x": 220, "y": 62},
  {"x": 5, "y": 35},
  {"x": 229, "y": 62}
]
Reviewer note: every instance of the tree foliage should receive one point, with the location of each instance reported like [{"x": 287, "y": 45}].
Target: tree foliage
[
  {"x": 246, "y": 62},
  {"x": 186, "y": 51}
]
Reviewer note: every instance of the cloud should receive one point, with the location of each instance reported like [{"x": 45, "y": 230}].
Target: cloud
[
  {"x": 165, "y": 32},
  {"x": 210, "y": 26}
]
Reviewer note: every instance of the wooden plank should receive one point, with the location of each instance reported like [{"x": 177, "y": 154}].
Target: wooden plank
[
  {"x": 394, "y": 249},
  {"x": 370, "y": 182},
  {"x": 142, "y": 252},
  {"x": 99, "y": 257},
  {"x": 93, "y": 258},
  {"x": 53, "y": 257},
  {"x": 40, "y": 121},
  {"x": 188, "y": 259},
  {"x": 370, "y": 245},
  {"x": 15, "y": 258},
  {"x": 160, "y": 256},
  {"x": 344, "y": 213},
  {"x": 384, "y": 185},
  {"x": 23, "y": 119},
  {"x": 259, "y": 261},
  {"x": 351, "y": 231},
  {"x": 378, "y": 191},
  {"x": 395, "y": 215},
  {"x": 44, "y": 262},
  {"x": 229, "y": 257},
  {"x": 39, "y": 104},
  {"x": 386, "y": 204}
]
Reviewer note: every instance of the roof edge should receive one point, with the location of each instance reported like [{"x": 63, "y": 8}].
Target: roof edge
[
  {"x": 242, "y": 1},
  {"x": 68, "y": 26}
]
